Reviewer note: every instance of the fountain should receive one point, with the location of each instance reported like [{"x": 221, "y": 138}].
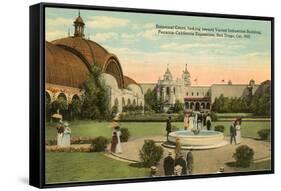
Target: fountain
[{"x": 196, "y": 139}]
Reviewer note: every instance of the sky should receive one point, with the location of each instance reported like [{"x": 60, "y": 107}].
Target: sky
[{"x": 144, "y": 53}]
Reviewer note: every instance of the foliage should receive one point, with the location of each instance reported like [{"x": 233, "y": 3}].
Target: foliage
[
  {"x": 264, "y": 134},
  {"x": 244, "y": 156},
  {"x": 150, "y": 153},
  {"x": 227, "y": 105},
  {"x": 114, "y": 111},
  {"x": 259, "y": 103},
  {"x": 69, "y": 149},
  {"x": 150, "y": 99},
  {"x": 125, "y": 134},
  {"x": 178, "y": 106},
  {"x": 99, "y": 144},
  {"x": 59, "y": 104},
  {"x": 95, "y": 97},
  {"x": 214, "y": 116},
  {"x": 219, "y": 128},
  {"x": 48, "y": 107},
  {"x": 75, "y": 109}
]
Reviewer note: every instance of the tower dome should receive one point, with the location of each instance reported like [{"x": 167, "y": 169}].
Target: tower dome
[
  {"x": 79, "y": 26},
  {"x": 186, "y": 77}
]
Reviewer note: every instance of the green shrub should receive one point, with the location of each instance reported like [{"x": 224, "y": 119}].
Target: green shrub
[
  {"x": 244, "y": 156},
  {"x": 150, "y": 153},
  {"x": 219, "y": 128},
  {"x": 264, "y": 134},
  {"x": 214, "y": 116},
  {"x": 125, "y": 134},
  {"x": 99, "y": 144}
]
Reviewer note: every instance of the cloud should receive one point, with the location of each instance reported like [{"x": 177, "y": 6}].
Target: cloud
[
  {"x": 102, "y": 37},
  {"x": 149, "y": 34},
  {"x": 53, "y": 35},
  {"x": 181, "y": 47},
  {"x": 58, "y": 21},
  {"x": 106, "y": 22}
]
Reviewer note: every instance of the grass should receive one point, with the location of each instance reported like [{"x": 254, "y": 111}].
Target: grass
[
  {"x": 65, "y": 167},
  {"x": 141, "y": 129},
  {"x": 69, "y": 167}
]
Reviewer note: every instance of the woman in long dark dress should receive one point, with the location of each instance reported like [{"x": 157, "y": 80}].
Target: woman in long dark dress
[{"x": 114, "y": 142}]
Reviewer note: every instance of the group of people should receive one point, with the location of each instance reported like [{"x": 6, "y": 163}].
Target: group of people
[
  {"x": 116, "y": 141},
  {"x": 197, "y": 120},
  {"x": 235, "y": 134},
  {"x": 178, "y": 166},
  {"x": 63, "y": 134}
]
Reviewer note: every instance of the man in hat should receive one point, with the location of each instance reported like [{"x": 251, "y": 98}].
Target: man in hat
[
  {"x": 180, "y": 161},
  {"x": 169, "y": 126},
  {"x": 153, "y": 171},
  {"x": 189, "y": 161},
  {"x": 169, "y": 164},
  {"x": 233, "y": 132}
]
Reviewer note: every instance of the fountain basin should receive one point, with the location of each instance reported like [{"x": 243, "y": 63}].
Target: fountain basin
[{"x": 204, "y": 140}]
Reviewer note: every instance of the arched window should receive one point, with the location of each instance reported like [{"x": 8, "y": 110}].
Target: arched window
[
  {"x": 134, "y": 102},
  {"x": 208, "y": 105},
  {"x": 167, "y": 90},
  {"x": 192, "y": 105},
  {"x": 197, "y": 106},
  {"x": 128, "y": 102},
  {"x": 203, "y": 105},
  {"x": 197, "y": 93},
  {"x": 186, "y": 105}
]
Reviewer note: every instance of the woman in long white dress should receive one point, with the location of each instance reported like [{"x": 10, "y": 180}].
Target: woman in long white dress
[
  {"x": 60, "y": 130},
  {"x": 191, "y": 121},
  {"x": 186, "y": 121},
  {"x": 66, "y": 136},
  {"x": 118, "y": 146},
  {"x": 238, "y": 131}
]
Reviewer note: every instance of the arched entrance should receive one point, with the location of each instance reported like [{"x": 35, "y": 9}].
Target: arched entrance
[{"x": 197, "y": 106}]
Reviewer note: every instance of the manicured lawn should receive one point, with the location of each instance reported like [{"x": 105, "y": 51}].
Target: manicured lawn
[
  {"x": 67, "y": 167},
  {"x": 141, "y": 129}
]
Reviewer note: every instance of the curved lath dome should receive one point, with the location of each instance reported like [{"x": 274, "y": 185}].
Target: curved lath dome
[{"x": 64, "y": 68}]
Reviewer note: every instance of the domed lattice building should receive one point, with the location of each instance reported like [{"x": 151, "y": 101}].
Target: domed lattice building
[{"x": 68, "y": 63}]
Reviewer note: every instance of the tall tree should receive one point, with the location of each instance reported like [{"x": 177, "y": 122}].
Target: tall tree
[{"x": 95, "y": 97}]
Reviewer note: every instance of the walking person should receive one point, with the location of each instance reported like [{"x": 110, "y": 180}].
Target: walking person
[
  {"x": 189, "y": 161},
  {"x": 169, "y": 126},
  {"x": 114, "y": 142},
  {"x": 177, "y": 148},
  {"x": 118, "y": 134},
  {"x": 169, "y": 164},
  {"x": 238, "y": 130},
  {"x": 60, "y": 130},
  {"x": 186, "y": 121},
  {"x": 66, "y": 141},
  {"x": 233, "y": 132},
  {"x": 191, "y": 121},
  {"x": 208, "y": 122},
  {"x": 181, "y": 162}
]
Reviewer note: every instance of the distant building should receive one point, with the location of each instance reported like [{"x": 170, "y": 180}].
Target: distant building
[{"x": 194, "y": 97}]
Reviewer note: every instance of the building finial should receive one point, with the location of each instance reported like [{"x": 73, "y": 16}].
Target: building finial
[
  {"x": 68, "y": 32},
  {"x": 79, "y": 13}
]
